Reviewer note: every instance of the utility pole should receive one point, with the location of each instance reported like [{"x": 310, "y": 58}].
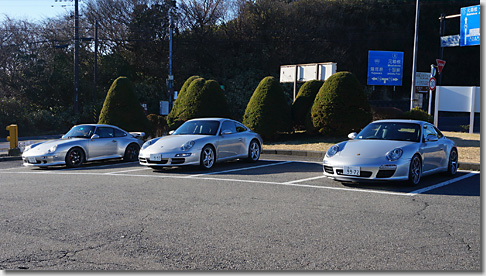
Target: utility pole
[
  {"x": 170, "y": 79},
  {"x": 415, "y": 45},
  {"x": 76, "y": 57},
  {"x": 95, "y": 70}
]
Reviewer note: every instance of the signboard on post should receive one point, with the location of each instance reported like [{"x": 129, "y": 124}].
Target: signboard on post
[
  {"x": 422, "y": 82},
  {"x": 440, "y": 65},
  {"x": 385, "y": 68},
  {"x": 470, "y": 26}
]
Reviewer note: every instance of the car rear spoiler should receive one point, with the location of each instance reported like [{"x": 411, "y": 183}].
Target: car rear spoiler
[{"x": 138, "y": 135}]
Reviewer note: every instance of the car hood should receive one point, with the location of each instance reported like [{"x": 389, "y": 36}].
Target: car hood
[
  {"x": 174, "y": 142},
  {"x": 370, "y": 148},
  {"x": 45, "y": 146}
]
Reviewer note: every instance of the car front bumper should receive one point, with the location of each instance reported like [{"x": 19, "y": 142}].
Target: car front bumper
[
  {"x": 43, "y": 160},
  {"x": 170, "y": 159}
]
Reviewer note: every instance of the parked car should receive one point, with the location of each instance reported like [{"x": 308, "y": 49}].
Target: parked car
[
  {"x": 202, "y": 142},
  {"x": 392, "y": 150},
  {"x": 84, "y": 143}
]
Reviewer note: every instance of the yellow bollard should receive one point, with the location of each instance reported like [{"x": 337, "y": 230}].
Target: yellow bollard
[{"x": 14, "y": 139}]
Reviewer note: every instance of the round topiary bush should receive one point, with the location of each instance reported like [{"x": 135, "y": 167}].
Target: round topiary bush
[
  {"x": 202, "y": 98},
  {"x": 268, "y": 111},
  {"x": 304, "y": 100},
  {"x": 159, "y": 125},
  {"x": 176, "y": 111},
  {"x": 418, "y": 114},
  {"x": 340, "y": 107},
  {"x": 122, "y": 108}
]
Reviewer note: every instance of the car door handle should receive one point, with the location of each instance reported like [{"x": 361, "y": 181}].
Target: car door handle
[
  {"x": 114, "y": 141},
  {"x": 241, "y": 139}
]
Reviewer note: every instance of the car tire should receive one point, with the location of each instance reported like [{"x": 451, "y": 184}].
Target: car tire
[
  {"x": 415, "y": 170},
  {"x": 254, "y": 151},
  {"x": 208, "y": 157},
  {"x": 453, "y": 163},
  {"x": 74, "y": 158},
  {"x": 131, "y": 152}
]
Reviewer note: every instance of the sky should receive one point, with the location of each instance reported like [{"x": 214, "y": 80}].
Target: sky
[{"x": 35, "y": 10}]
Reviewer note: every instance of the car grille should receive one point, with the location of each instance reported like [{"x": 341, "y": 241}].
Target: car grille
[
  {"x": 148, "y": 161},
  {"x": 177, "y": 161},
  {"x": 361, "y": 173},
  {"x": 328, "y": 169},
  {"x": 385, "y": 173}
]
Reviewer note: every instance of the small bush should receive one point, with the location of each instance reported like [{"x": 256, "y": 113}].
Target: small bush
[
  {"x": 122, "y": 108},
  {"x": 268, "y": 111},
  {"x": 418, "y": 114},
  {"x": 178, "y": 108},
  {"x": 381, "y": 113},
  {"x": 159, "y": 125},
  {"x": 340, "y": 107},
  {"x": 304, "y": 100}
]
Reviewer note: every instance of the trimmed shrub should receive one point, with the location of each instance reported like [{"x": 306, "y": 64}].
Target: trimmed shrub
[
  {"x": 202, "y": 98},
  {"x": 177, "y": 109},
  {"x": 418, "y": 114},
  {"x": 268, "y": 111},
  {"x": 340, "y": 107},
  {"x": 122, "y": 108},
  {"x": 304, "y": 100},
  {"x": 381, "y": 113},
  {"x": 159, "y": 125}
]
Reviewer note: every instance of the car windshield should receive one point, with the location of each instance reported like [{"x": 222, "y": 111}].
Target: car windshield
[
  {"x": 198, "y": 127},
  {"x": 391, "y": 131},
  {"x": 80, "y": 132}
]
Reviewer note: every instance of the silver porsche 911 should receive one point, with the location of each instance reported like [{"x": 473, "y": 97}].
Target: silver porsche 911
[
  {"x": 83, "y": 143},
  {"x": 202, "y": 142},
  {"x": 392, "y": 150}
]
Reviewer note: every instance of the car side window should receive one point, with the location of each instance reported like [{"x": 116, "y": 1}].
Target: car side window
[
  {"x": 228, "y": 125},
  {"x": 119, "y": 133},
  {"x": 439, "y": 134},
  {"x": 240, "y": 128},
  {"x": 105, "y": 132},
  {"x": 429, "y": 129}
]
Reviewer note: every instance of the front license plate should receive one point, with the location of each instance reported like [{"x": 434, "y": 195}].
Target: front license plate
[
  {"x": 156, "y": 157},
  {"x": 32, "y": 160},
  {"x": 351, "y": 170}
]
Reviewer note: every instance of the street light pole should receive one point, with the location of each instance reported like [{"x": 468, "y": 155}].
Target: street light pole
[
  {"x": 170, "y": 79},
  {"x": 415, "y": 45},
  {"x": 76, "y": 56}
]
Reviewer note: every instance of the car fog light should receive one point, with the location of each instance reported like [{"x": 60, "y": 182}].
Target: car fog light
[
  {"x": 388, "y": 167},
  {"x": 183, "y": 155}
]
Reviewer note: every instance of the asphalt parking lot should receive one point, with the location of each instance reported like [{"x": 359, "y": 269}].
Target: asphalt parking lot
[{"x": 280, "y": 213}]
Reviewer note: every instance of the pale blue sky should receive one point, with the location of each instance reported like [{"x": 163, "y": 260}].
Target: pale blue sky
[{"x": 35, "y": 10}]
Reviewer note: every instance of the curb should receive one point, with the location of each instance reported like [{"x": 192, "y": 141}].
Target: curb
[
  {"x": 10, "y": 158},
  {"x": 318, "y": 154}
]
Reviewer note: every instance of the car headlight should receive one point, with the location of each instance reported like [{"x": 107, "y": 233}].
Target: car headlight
[
  {"x": 187, "y": 146},
  {"x": 52, "y": 149},
  {"x": 149, "y": 143},
  {"x": 394, "y": 154},
  {"x": 332, "y": 151}
]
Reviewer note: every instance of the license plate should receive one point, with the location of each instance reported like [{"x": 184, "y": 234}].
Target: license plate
[
  {"x": 351, "y": 170},
  {"x": 32, "y": 160},
  {"x": 156, "y": 157}
]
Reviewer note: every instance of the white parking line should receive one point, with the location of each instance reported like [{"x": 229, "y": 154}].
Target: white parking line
[
  {"x": 134, "y": 170},
  {"x": 240, "y": 169},
  {"x": 306, "y": 179},
  {"x": 426, "y": 189}
]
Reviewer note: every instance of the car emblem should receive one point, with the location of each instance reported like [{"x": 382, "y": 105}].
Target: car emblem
[{"x": 358, "y": 154}]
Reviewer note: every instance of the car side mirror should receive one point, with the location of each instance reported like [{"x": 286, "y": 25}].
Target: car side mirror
[
  {"x": 95, "y": 136},
  {"x": 431, "y": 138},
  {"x": 171, "y": 132},
  {"x": 226, "y": 132},
  {"x": 352, "y": 135}
]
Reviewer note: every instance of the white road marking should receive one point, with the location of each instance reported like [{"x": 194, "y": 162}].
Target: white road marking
[
  {"x": 305, "y": 179},
  {"x": 134, "y": 170},
  {"x": 240, "y": 169},
  {"x": 426, "y": 189}
]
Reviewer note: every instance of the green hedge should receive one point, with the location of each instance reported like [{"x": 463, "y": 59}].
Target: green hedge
[{"x": 304, "y": 100}]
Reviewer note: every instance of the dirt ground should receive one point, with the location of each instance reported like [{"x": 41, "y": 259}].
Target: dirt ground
[{"x": 468, "y": 145}]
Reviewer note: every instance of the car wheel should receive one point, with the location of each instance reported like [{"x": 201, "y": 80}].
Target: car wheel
[
  {"x": 453, "y": 162},
  {"x": 131, "y": 152},
  {"x": 74, "y": 158},
  {"x": 207, "y": 157},
  {"x": 254, "y": 151},
  {"x": 415, "y": 171}
]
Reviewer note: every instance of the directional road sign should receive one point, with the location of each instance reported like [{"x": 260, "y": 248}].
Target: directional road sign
[
  {"x": 470, "y": 26},
  {"x": 385, "y": 68}
]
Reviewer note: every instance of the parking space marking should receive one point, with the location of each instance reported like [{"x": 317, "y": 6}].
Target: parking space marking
[
  {"x": 445, "y": 183},
  {"x": 133, "y": 170},
  {"x": 240, "y": 169},
  {"x": 306, "y": 179}
]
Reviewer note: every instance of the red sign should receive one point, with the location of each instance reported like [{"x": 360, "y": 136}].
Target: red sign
[
  {"x": 440, "y": 65},
  {"x": 432, "y": 83}
]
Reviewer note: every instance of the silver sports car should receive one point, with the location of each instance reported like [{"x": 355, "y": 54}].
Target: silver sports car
[
  {"x": 202, "y": 142},
  {"x": 85, "y": 143},
  {"x": 392, "y": 150}
]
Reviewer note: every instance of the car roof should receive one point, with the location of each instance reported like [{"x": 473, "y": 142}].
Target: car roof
[
  {"x": 214, "y": 119},
  {"x": 98, "y": 125},
  {"x": 401, "y": 121}
]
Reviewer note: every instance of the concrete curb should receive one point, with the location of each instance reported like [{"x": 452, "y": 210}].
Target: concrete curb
[{"x": 318, "y": 155}]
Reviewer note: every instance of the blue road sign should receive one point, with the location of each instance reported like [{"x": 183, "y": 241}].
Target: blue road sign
[
  {"x": 385, "y": 68},
  {"x": 470, "y": 26}
]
